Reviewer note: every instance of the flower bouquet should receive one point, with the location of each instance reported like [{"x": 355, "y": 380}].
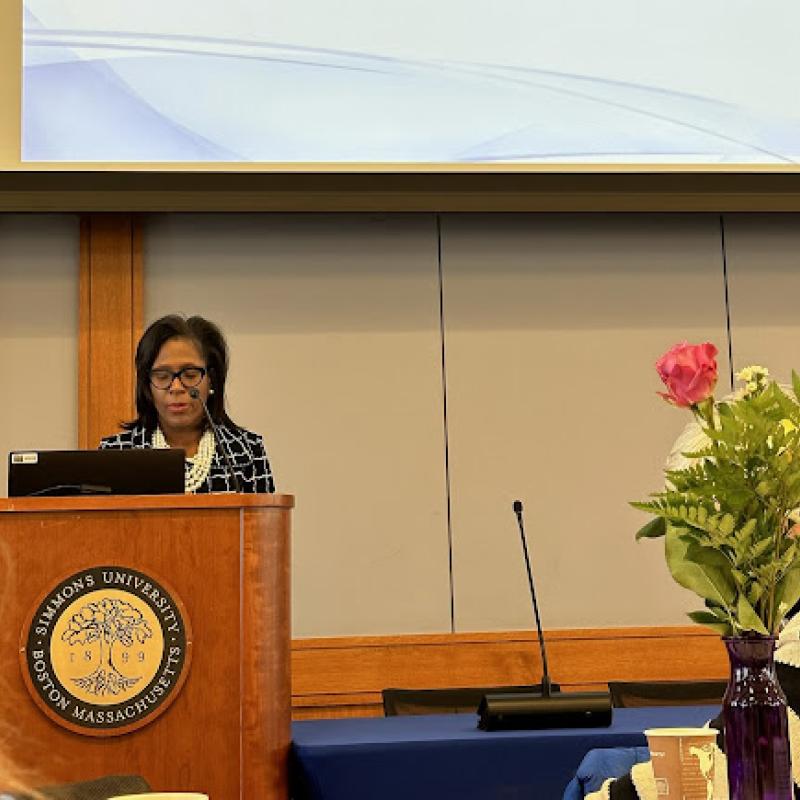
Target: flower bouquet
[{"x": 728, "y": 515}]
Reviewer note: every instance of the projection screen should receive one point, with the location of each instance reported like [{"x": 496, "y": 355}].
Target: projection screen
[{"x": 424, "y": 82}]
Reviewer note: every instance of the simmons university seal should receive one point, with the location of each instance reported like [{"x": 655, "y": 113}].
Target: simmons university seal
[{"x": 106, "y": 650}]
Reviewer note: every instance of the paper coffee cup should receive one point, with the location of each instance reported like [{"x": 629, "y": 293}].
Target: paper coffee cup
[{"x": 683, "y": 762}]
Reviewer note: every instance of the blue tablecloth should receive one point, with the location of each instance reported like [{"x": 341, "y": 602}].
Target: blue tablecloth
[
  {"x": 599, "y": 765},
  {"x": 446, "y": 757}
]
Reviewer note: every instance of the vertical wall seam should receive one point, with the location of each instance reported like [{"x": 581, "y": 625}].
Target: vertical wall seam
[
  {"x": 727, "y": 296},
  {"x": 84, "y": 327},
  {"x": 132, "y": 288},
  {"x": 445, "y": 425}
]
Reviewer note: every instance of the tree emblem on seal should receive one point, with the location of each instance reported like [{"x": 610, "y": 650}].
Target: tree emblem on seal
[{"x": 109, "y": 621}]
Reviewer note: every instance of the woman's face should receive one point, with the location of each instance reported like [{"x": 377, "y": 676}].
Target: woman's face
[{"x": 177, "y": 411}]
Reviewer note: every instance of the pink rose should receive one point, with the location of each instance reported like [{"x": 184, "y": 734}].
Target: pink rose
[{"x": 689, "y": 372}]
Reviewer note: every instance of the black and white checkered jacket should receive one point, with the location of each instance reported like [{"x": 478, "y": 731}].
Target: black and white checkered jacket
[{"x": 246, "y": 450}]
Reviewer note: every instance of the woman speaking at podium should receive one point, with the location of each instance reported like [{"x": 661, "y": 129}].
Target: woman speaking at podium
[{"x": 181, "y": 367}]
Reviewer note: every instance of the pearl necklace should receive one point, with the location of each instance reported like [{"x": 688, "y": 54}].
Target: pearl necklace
[{"x": 199, "y": 465}]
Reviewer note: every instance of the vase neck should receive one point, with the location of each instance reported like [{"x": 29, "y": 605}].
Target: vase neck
[{"x": 751, "y": 652}]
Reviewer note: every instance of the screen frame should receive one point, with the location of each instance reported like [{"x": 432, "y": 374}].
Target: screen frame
[{"x": 11, "y": 72}]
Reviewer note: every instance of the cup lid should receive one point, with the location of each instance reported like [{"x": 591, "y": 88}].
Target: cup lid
[
  {"x": 710, "y": 732},
  {"x": 162, "y": 796}
]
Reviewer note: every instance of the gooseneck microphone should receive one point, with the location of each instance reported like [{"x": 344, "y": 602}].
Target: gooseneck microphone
[
  {"x": 194, "y": 393},
  {"x": 547, "y": 684},
  {"x": 544, "y": 706}
]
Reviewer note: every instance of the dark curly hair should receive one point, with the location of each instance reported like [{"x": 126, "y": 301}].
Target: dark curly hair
[{"x": 211, "y": 344}]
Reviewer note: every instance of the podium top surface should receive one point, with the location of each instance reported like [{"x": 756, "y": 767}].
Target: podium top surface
[{"x": 146, "y": 502}]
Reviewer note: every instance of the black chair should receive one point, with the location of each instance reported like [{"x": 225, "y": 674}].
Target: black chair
[
  {"x": 634, "y": 694},
  {"x": 100, "y": 789},
  {"x": 399, "y": 702}
]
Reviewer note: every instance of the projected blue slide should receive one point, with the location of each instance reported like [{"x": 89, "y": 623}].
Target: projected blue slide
[{"x": 412, "y": 81}]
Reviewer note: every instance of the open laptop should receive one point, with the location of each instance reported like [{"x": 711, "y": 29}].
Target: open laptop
[{"x": 69, "y": 472}]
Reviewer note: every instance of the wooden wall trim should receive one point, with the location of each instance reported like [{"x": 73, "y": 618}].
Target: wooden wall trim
[
  {"x": 110, "y": 315},
  {"x": 137, "y": 282},
  {"x": 636, "y": 190},
  {"x": 343, "y": 676}
]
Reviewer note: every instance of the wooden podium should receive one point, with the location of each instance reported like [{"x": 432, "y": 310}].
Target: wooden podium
[{"x": 224, "y": 560}]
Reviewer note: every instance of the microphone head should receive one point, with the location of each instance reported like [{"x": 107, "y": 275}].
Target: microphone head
[
  {"x": 194, "y": 393},
  {"x": 517, "y": 507}
]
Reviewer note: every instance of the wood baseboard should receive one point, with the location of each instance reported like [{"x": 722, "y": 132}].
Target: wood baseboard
[{"x": 344, "y": 676}]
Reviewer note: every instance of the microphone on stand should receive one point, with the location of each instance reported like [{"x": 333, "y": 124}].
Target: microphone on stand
[
  {"x": 548, "y": 707},
  {"x": 547, "y": 685},
  {"x": 194, "y": 393}
]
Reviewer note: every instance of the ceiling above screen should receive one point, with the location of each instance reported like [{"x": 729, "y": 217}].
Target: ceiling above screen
[{"x": 428, "y": 82}]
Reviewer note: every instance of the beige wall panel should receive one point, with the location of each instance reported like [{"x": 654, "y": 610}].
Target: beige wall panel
[
  {"x": 553, "y": 324},
  {"x": 38, "y": 334},
  {"x": 764, "y": 290},
  {"x": 333, "y": 323}
]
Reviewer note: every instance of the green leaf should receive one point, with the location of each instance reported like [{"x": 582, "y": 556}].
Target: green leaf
[
  {"x": 746, "y": 531},
  {"x": 651, "y": 507},
  {"x": 726, "y": 524},
  {"x": 755, "y": 593},
  {"x": 787, "y": 592},
  {"x": 655, "y": 528},
  {"x": 703, "y": 570},
  {"x": 747, "y": 618},
  {"x": 711, "y": 621},
  {"x": 739, "y": 577},
  {"x": 695, "y": 454},
  {"x": 796, "y": 384},
  {"x": 722, "y": 614},
  {"x": 761, "y": 547}
]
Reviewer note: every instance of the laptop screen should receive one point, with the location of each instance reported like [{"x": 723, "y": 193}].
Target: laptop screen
[{"x": 70, "y": 472}]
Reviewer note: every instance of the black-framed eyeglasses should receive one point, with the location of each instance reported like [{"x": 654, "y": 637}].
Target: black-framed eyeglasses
[{"x": 188, "y": 376}]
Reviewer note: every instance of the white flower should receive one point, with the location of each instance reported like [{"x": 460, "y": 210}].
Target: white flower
[
  {"x": 752, "y": 373},
  {"x": 754, "y": 377}
]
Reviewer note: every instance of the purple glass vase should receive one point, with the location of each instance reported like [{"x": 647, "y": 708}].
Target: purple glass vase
[{"x": 756, "y": 724}]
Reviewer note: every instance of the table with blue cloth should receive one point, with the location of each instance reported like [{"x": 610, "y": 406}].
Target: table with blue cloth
[{"x": 439, "y": 757}]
